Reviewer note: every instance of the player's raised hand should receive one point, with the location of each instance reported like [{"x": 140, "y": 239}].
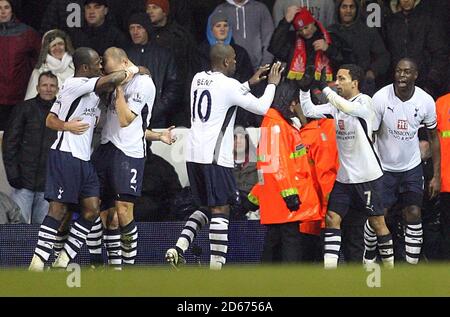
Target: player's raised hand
[
  {"x": 76, "y": 126},
  {"x": 434, "y": 187},
  {"x": 275, "y": 73},
  {"x": 259, "y": 75},
  {"x": 167, "y": 136}
]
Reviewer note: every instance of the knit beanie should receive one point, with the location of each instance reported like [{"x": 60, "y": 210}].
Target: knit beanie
[
  {"x": 302, "y": 18},
  {"x": 163, "y": 4}
]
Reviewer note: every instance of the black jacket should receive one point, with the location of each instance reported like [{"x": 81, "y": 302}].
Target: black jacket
[
  {"x": 26, "y": 143},
  {"x": 362, "y": 45},
  {"x": 163, "y": 70},
  {"x": 282, "y": 46},
  {"x": 99, "y": 38},
  {"x": 420, "y": 37}
]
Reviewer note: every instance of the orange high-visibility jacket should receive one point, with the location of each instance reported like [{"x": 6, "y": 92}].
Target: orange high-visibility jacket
[
  {"x": 283, "y": 170},
  {"x": 443, "y": 125},
  {"x": 323, "y": 159}
]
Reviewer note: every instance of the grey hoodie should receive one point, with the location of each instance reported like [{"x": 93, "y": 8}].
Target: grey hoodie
[{"x": 252, "y": 28}]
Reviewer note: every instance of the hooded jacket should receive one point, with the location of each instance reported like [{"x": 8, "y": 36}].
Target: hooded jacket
[
  {"x": 284, "y": 170},
  {"x": 362, "y": 45},
  {"x": 252, "y": 28},
  {"x": 244, "y": 68},
  {"x": 19, "y": 47},
  {"x": 163, "y": 69}
]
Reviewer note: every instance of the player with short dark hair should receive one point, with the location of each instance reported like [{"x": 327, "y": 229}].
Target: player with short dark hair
[
  {"x": 358, "y": 181},
  {"x": 71, "y": 178},
  {"x": 401, "y": 108}
]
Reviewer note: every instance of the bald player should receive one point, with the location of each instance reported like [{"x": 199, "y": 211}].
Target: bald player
[
  {"x": 71, "y": 178},
  {"x": 120, "y": 158}
]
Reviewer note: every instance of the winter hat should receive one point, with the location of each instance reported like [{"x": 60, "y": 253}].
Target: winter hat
[
  {"x": 142, "y": 19},
  {"x": 163, "y": 4},
  {"x": 219, "y": 16},
  {"x": 302, "y": 18}
]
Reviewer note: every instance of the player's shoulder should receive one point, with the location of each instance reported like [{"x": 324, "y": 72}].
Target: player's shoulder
[
  {"x": 423, "y": 96},
  {"x": 141, "y": 82},
  {"x": 383, "y": 93}
]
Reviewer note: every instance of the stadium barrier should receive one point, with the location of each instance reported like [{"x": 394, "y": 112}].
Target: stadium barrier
[{"x": 245, "y": 238}]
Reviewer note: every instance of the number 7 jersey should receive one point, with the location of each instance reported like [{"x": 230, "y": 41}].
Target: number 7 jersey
[{"x": 214, "y": 98}]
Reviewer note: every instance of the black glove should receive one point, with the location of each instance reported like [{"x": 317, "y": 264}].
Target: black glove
[
  {"x": 322, "y": 83},
  {"x": 248, "y": 205},
  {"x": 292, "y": 202},
  {"x": 307, "y": 80},
  {"x": 16, "y": 183}
]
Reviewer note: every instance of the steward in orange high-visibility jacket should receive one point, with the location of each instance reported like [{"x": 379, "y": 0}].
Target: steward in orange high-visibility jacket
[
  {"x": 443, "y": 125},
  {"x": 322, "y": 155},
  {"x": 286, "y": 193}
]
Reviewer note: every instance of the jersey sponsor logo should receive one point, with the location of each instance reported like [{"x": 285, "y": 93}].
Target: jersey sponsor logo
[
  {"x": 341, "y": 124},
  {"x": 61, "y": 191},
  {"x": 402, "y": 124},
  {"x": 90, "y": 112}
]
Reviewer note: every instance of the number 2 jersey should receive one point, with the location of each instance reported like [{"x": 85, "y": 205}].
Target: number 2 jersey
[{"x": 213, "y": 112}]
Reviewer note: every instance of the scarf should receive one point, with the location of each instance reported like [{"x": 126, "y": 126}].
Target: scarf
[
  {"x": 58, "y": 66},
  {"x": 298, "y": 63}
]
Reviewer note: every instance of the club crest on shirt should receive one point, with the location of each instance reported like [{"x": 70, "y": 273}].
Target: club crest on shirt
[{"x": 137, "y": 97}]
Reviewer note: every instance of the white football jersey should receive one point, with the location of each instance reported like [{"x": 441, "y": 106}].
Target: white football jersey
[
  {"x": 139, "y": 95},
  {"x": 213, "y": 97},
  {"x": 397, "y": 122},
  {"x": 358, "y": 162},
  {"x": 77, "y": 99}
]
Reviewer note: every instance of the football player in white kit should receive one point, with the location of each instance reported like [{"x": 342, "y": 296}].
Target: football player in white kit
[
  {"x": 401, "y": 108},
  {"x": 358, "y": 182},
  {"x": 71, "y": 178},
  {"x": 209, "y": 151},
  {"x": 120, "y": 159}
]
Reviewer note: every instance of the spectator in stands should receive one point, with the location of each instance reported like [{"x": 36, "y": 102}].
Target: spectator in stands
[
  {"x": 9, "y": 211},
  {"x": 171, "y": 35},
  {"x": 68, "y": 14},
  {"x": 363, "y": 45},
  {"x": 252, "y": 28},
  {"x": 161, "y": 63},
  {"x": 413, "y": 32},
  {"x": 322, "y": 10},
  {"x": 19, "y": 47},
  {"x": 62, "y": 15},
  {"x": 25, "y": 147},
  {"x": 219, "y": 30},
  {"x": 98, "y": 33},
  {"x": 309, "y": 44},
  {"x": 56, "y": 57}
]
